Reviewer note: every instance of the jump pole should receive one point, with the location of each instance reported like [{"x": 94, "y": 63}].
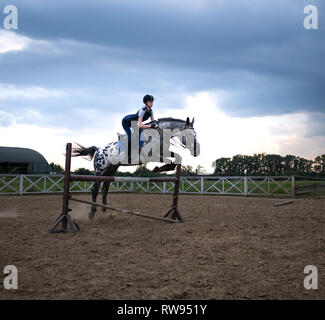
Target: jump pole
[
  {"x": 139, "y": 214},
  {"x": 66, "y": 220}
]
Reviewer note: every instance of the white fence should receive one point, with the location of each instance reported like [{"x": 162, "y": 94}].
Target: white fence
[{"x": 249, "y": 185}]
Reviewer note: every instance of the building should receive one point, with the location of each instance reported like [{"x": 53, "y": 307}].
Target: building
[{"x": 22, "y": 161}]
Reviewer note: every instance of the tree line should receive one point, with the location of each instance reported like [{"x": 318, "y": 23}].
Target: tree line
[
  {"x": 261, "y": 164},
  {"x": 140, "y": 171},
  {"x": 270, "y": 165}
]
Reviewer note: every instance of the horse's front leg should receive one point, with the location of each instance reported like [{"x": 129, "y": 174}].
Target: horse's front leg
[
  {"x": 166, "y": 167},
  {"x": 94, "y": 193},
  {"x": 105, "y": 189}
]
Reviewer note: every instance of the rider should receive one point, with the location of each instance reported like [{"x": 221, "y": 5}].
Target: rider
[{"x": 142, "y": 114}]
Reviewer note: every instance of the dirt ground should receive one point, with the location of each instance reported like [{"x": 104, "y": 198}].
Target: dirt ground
[{"x": 228, "y": 248}]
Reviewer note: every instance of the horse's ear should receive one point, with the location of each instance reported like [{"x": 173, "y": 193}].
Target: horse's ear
[
  {"x": 192, "y": 122},
  {"x": 187, "y": 121}
]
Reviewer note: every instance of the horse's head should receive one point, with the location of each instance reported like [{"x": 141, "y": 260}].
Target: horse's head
[
  {"x": 184, "y": 130},
  {"x": 189, "y": 138}
]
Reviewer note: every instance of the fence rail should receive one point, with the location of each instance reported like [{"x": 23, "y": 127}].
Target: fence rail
[
  {"x": 245, "y": 186},
  {"x": 310, "y": 189}
]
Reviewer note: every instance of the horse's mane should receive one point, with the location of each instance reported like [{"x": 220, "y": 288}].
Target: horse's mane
[{"x": 171, "y": 120}]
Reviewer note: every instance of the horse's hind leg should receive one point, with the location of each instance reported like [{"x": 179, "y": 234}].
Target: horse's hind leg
[
  {"x": 94, "y": 193},
  {"x": 110, "y": 171},
  {"x": 105, "y": 188}
]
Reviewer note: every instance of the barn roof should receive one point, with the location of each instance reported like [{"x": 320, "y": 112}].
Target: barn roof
[{"x": 36, "y": 162}]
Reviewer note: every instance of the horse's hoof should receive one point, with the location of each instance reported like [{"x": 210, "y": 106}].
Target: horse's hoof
[{"x": 91, "y": 215}]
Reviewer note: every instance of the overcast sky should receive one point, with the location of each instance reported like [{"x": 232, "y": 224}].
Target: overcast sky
[{"x": 247, "y": 70}]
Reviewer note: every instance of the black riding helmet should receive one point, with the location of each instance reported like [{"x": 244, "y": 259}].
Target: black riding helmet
[{"x": 147, "y": 98}]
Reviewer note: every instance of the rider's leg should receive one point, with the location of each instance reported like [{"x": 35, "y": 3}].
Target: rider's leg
[
  {"x": 126, "y": 127},
  {"x": 141, "y": 141}
]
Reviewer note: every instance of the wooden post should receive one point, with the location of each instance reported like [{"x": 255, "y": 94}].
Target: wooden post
[
  {"x": 173, "y": 213},
  {"x": 64, "y": 217},
  {"x": 131, "y": 189},
  {"x": 245, "y": 186},
  {"x": 21, "y": 184},
  {"x": 293, "y": 186}
]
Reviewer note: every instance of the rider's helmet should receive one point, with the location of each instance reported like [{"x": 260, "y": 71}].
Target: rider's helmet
[{"x": 147, "y": 98}]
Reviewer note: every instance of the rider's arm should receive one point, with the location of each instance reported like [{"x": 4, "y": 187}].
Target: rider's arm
[{"x": 141, "y": 125}]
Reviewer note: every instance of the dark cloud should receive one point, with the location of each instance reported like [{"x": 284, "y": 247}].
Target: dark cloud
[
  {"x": 316, "y": 126},
  {"x": 112, "y": 52}
]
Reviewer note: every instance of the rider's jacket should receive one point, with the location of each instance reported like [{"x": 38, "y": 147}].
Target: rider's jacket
[{"x": 142, "y": 112}]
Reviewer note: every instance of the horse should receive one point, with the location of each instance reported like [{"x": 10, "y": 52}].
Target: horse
[{"x": 108, "y": 159}]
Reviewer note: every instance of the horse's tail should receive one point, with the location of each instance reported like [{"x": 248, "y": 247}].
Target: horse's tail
[{"x": 82, "y": 151}]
